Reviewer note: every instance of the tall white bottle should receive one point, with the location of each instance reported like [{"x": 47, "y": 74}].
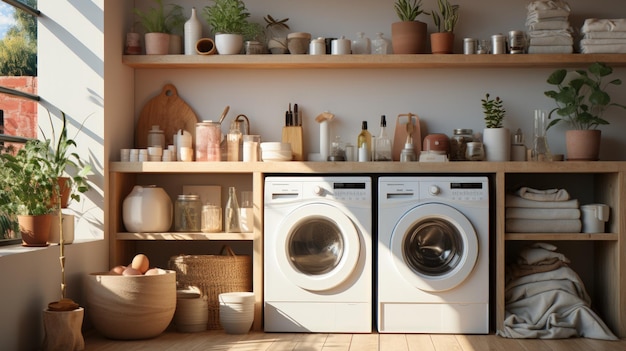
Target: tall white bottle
[{"x": 193, "y": 33}]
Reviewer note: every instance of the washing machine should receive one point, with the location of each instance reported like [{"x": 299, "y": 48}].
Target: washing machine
[
  {"x": 318, "y": 254},
  {"x": 433, "y": 255}
]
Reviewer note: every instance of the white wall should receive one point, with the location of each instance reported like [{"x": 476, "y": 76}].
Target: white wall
[
  {"x": 444, "y": 99},
  {"x": 71, "y": 78}
]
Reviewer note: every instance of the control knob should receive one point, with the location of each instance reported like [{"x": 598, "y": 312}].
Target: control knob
[
  {"x": 318, "y": 190},
  {"x": 434, "y": 190}
]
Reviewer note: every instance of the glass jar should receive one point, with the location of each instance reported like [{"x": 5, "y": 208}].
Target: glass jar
[
  {"x": 187, "y": 213},
  {"x": 379, "y": 45},
  {"x": 458, "y": 144},
  {"x": 211, "y": 219}
]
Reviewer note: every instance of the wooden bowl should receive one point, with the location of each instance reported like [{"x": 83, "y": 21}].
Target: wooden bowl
[{"x": 131, "y": 307}]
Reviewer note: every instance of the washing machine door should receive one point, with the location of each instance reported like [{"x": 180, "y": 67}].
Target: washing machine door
[
  {"x": 317, "y": 246},
  {"x": 434, "y": 247}
]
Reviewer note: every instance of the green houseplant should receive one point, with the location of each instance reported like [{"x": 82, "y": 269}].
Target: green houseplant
[
  {"x": 496, "y": 138},
  {"x": 408, "y": 36},
  {"x": 228, "y": 20},
  {"x": 158, "y": 23},
  {"x": 582, "y": 99},
  {"x": 442, "y": 42}
]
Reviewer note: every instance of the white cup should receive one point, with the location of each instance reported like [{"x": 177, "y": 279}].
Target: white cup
[
  {"x": 340, "y": 46},
  {"x": 594, "y": 217}
]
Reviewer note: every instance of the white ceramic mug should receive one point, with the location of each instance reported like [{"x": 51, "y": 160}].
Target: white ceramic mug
[{"x": 594, "y": 217}]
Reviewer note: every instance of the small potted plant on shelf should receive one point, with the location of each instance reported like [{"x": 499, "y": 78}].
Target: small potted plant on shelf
[
  {"x": 442, "y": 42},
  {"x": 228, "y": 20},
  {"x": 408, "y": 36},
  {"x": 496, "y": 138},
  {"x": 582, "y": 100},
  {"x": 159, "y": 22}
]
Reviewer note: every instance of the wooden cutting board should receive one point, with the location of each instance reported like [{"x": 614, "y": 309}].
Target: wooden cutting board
[{"x": 169, "y": 112}]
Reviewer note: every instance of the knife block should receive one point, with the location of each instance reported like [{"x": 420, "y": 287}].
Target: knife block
[{"x": 293, "y": 135}]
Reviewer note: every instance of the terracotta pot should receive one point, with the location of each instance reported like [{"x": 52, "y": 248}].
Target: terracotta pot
[
  {"x": 408, "y": 37},
  {"x": 35, "y": 230},
  {"x": 157, "y": 43},
  {"x": 63, "y": 330},
  {"x": 583, "y": 145},
  {"x": 442, "y": 43},
  {"x": 64, "y": 186}
]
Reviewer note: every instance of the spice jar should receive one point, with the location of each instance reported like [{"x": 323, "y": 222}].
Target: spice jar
[
  {"x": 187, "y": 212},
  {"x": 211, "y": 219},
  {"x": 458, "y": 144}
]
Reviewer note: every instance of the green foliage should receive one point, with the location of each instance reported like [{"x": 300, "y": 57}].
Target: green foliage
[
  {"x": 408, "y": 10},
  {"x": 447, "y": 17},
  {"x": 158, "y": 20},
  {"x": 582, "y": 99},
  {"x": 230, "y": 17},
  {"x": 494, "y": 111},
  {"x": 18, "y": 49}
]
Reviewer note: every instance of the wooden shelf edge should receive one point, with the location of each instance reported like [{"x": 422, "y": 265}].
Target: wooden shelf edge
[
  {"x": 562, "y": 236},
  {"x": 370, "y": 61},
  {"x": 184, "y": 236}
]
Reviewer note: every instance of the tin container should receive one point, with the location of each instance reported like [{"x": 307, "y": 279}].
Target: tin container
[
  {"x": 498, "y": 44},
  {"x": 517, "y": 42},
  {"x": 470, "y": 46}
]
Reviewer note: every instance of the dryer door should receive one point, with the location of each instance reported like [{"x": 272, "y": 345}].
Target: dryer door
[
  {"x": 434, "y": 247},
  {"x": 317, "y": 246}
]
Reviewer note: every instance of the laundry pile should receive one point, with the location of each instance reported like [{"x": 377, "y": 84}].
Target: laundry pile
[
  {"x": 603, "y": 36},
  {"x": 549, "y": 30},
  {"x": 546, "y": 299},
  {"x": 531, "y": 210}
]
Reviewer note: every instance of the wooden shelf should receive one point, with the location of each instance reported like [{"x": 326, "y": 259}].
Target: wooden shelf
[
  {"x": 184, "y": 236},
  {"x": 370, "y": 61},
  {"x": 562, "y": 236}
]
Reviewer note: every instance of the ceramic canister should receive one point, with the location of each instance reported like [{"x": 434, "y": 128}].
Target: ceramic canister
[
  {"x": 341, "y": 46},
  {"x": 147, "y": 209}
]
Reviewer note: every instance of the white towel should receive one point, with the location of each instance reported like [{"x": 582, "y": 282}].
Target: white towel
[
  {"x": 538, "y": 15},
  {"x": 547, "y": 5},
  {"x": 542, "y": 194},
  {"x": 539, "y": 252},
  {"x": 605, "y": 35},
  {"x": 549, "y": 33},
  {"x": 542, "y": 213},
  {"x": 550, "y": 49},
  {"x": 604, "y": 25},
  {"x": 554, "y": 40},
  {"x": 603, "y": 49},
  {"x": 603, "y": 41},
  {"x": 543, "y": 225},
  {"x": 552, "y": 24},
  {"x": 516, "y": 201}
]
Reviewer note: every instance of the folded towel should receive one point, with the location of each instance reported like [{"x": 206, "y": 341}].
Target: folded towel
[
  {"x": 549, "y": 33},
  {"x": 552, "y": 24},
  {"x": 605, "y": 35},
  {"x": 537, "y": 15},
  {"x": 604, "y": 25},
  {"x": 542, "y": 213},
  {"x": 543, "y": 225},
  {"x": 542, "y": 194},
  {"x": 516, "y": 201},
  {"x": 547, "y": 5},
  {"x": 603, "y": 41},
  {"x": 603, "y": 49},
  {"x": 554, "y": 40},
  {"x": 550, "y": 49}
]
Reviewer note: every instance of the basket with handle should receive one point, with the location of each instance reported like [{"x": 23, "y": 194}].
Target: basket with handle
[{"x": 213, "y": 275}]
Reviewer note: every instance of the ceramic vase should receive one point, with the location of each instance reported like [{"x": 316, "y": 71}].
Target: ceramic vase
[
  {"x": 497, "y": 143},
  {"x": 193, "y": 32},
  {"x": 63, "y": 330},
  {"x": 229, "y": 44},
  {"x": 408, "y": 37},
  {"x": 157, "y": 43},
  {"x": 147, "y": 209},
  {"x": 583, "y": 145}
]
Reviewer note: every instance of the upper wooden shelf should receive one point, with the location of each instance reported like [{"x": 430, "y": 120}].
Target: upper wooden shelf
[{"x": 371, "y": 61}]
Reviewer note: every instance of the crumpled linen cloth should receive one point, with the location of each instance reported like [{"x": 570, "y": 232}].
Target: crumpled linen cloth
[
  {"x": 550, "y": 304},
  {"x": 604, "y": 25},
  {"x": 542, "y": 194}
]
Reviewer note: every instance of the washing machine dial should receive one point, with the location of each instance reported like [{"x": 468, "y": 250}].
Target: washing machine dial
[
  {"x": 434, "y": 190},
  {"x": 318, "y": 190}
]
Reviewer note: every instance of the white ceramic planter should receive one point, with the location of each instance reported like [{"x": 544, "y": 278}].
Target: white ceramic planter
[
  {"x": 228, "y": 44},
  {"x": 147, "y": 209},
  {"x": 497, "y": 143}
]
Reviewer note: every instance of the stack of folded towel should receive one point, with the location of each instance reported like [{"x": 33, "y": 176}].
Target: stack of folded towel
[
  {"x": 542, "y": 211},
  {"x": 603, "y": 36},
  {"x": 549, "y": 30}
]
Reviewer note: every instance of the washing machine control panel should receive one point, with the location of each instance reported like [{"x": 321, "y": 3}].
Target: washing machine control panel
[
  {"x": 455, "y": 191},
  {"x": 345, "y": 192}
]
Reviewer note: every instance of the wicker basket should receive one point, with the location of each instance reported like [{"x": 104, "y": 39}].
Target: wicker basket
[{"x": 213, "y": 275}]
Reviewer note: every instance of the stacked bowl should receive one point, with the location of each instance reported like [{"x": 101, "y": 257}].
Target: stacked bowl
[
  {"x": 192, "y": 311},
  {"x": 236, "y": 312},
  {"x": 276, "y": 151}
]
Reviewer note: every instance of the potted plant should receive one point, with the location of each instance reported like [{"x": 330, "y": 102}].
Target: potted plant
[
  {"x": 581, "y": 100},
  {"x": 276, "y": 31},
  {"x": 158, "y": 23},
  {"x": 408, "y": 36},
  {"x": 442, "y": 42},
  {"x": 228, "y": 19},
  {"x": 496, "y": 138}
]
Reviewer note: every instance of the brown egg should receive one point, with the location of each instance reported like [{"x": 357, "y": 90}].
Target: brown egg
[
  {"x": 140, "y": 263},
  {"x": 131, "y": 271},
  {"x": 117, "y": 270},
  {"x": 153, "y": 271}
]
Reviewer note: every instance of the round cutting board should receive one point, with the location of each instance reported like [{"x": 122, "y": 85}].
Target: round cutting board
[{"x": 169, "y": 112}]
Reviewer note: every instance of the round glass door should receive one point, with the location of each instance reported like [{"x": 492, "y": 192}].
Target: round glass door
[
  {"x": 318, "y": 247},
  {"x": 434, "y": 247}
]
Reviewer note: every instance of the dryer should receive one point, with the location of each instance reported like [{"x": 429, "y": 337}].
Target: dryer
[
  {"x": 433, "y": 255},
  {"x": 318, "y": 254}
]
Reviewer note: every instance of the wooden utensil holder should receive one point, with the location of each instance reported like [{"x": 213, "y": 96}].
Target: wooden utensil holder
[{"x": 293, "y": 135}]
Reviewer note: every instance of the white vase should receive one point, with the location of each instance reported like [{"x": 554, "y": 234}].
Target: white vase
[
  {"x": 147, "y": 209},
  {"x": 497, "y": 143},
  {"x": 193, "y": 32},
  {"x": 228, "y": 44}
]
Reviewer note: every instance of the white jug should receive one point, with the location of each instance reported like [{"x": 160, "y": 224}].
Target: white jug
[
  {"x": 594, "y": 217},
  {"x": 147, "y": 209}
]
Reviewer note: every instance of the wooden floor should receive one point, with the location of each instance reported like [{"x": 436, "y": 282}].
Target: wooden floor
[{"x": 253, "y": 341}]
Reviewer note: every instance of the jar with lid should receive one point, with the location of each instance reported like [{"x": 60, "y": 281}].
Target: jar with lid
[
  {"x": 379, "y": 45},
  {"x": 458, "y": 144},
  {"x": 156, "y": 137},
  {"x": 187, "y": 213}
]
